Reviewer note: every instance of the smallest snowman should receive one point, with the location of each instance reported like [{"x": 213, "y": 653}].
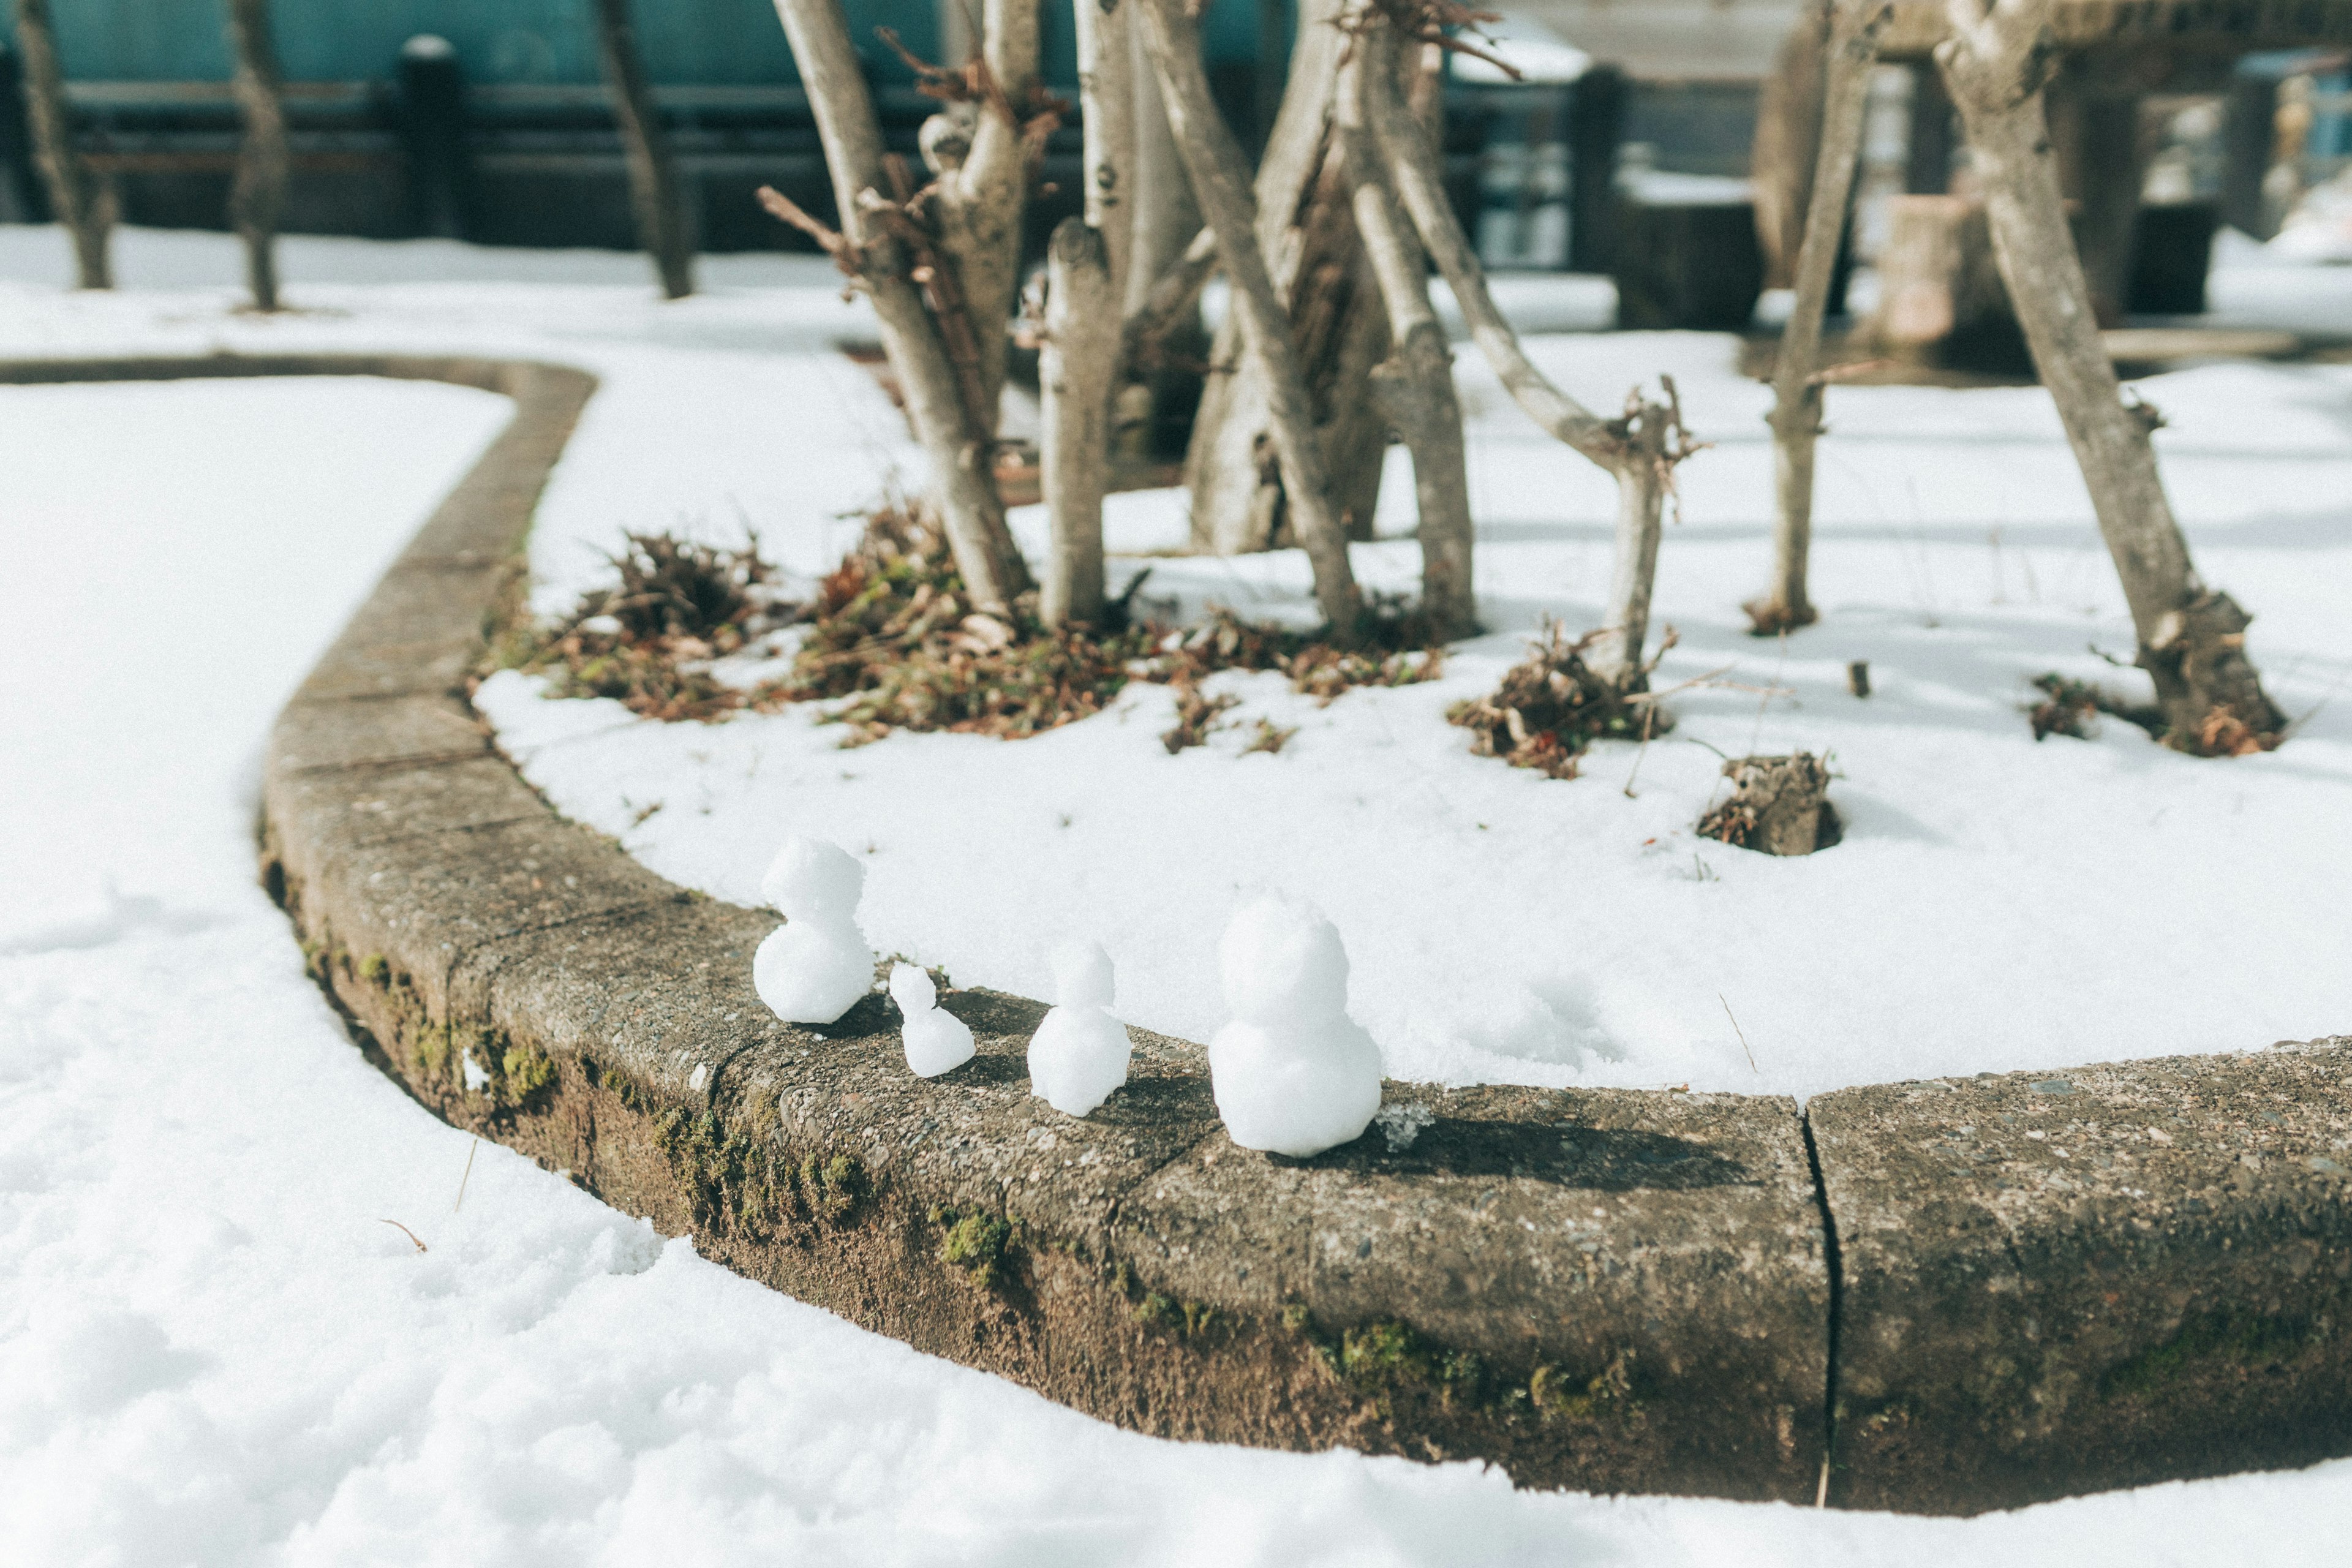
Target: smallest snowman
[
  {"x": 816, "y": 967},
  {"x": 937, "y": 1040},
  {"x": 1080, "y": 1053}
]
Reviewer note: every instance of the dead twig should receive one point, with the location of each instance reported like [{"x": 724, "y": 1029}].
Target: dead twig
[
  {"x": 1742, "y": 1034},
  {"x": 404, "y": 1231},
  {"x": 470, "y": 1148},
  {"x": 830, "y": 240}
]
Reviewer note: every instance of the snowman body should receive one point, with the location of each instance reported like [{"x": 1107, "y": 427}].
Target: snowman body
[
  {"x": 1080, "y": 1053},
  {"x": 816, "y": 967},
  {"x": 936, "y": 1040},
  {"x": 1292, "y": 1074}
]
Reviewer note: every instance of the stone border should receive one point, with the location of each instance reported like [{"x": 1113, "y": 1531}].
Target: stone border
[{"x": 1944, "y": 1296}]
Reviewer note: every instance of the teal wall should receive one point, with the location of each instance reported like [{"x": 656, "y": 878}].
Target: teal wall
[{"x": 716, "y": 42}]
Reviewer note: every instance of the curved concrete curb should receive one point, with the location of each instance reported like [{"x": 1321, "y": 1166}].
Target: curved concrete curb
[{"x": 2021, "y": 1296}]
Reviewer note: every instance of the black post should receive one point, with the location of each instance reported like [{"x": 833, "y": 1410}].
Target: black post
[
  {"x": 1928, "y": 168},
  {"x": 433, "y": 132},
  {"x": 22, "y": 200},
  {"x": 1596, "y": 124},
  {"x": 2249, "y": 141}
]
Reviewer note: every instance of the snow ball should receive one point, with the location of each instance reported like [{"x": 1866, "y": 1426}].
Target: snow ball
[
  {"x": 1082, "y": 975},
  {"x": 1281, "y": 961},
  {"x": 477, "y": 1080},
  {"x": 812, "y": 879}
]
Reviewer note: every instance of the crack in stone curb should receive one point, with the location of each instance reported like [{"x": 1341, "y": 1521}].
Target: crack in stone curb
[{"x": 1895, "y": 1296}]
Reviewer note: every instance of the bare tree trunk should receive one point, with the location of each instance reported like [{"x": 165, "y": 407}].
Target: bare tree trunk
[
  {"x": 2191, "y": 640},
  {"x": 1085, "y": 287},
  {"x": 1162, "y": 217},
  {"x": 1787, "y": 140},
  {"x": 1642, "y": 480},
  {"x": 79, "y": 201},
  {"x": 1232, "y": 482},
  {"x": 1640, "y": 449},
  {"x": 1073, "y": 374},
  {"x": 655, "y": 189},
  {"x": 959, "y": 449},
  {"x": 258, "y": 194},
  {"x": 1220, "y": 183},
  {"x": 1105, "y": 113},
  {"x": 1852, "y": 48},
  {"x": 982, "y": 198},
  {"x": 1415, "y": 384}
]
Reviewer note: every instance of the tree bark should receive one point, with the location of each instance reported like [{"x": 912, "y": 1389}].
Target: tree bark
[
  {"x": 1074, "y": 375},
  {"x": 655, "y": 189},
  {"x": 1105, "y": 113},
  {"x": 1414, "y": 386},
  {"x": 258, "y": 195},
  {"x": 2191, "y": 640},
  {"x": 1220, "y": 183},
  {"x": 1642, "y": 475},
  {"x": 982, "y": 198},
  {"x": 1163, "y": 219},
  {"x": 1789, "y": 117},
  {"x": 1639, "y": 448},
  {"x": 958, "y": 448},
  {"x": 78, "y": 199},
  {"x": 1853, "y": 49},
  {"x": 1234, "y": 485}
]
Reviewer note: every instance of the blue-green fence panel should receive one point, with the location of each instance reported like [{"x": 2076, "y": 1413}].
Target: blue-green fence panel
[{"x": 708, "y": 42}]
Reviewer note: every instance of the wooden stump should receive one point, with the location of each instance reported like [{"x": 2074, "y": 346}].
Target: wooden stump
[
  {"x": 1692, "y": 265},
  {"x": 1778, "y": 805},
  {"x": 1940, "y": 296}
]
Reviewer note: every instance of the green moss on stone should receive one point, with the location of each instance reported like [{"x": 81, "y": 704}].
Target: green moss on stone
[
  {"x": 982, "y": 1243},
  {"x": 528, "y": 1073}
]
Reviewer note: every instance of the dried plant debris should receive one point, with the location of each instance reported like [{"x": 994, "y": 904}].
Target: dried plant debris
[
  {"x": 891, "y": 641},
  {"x": 1551, "y": 706},
  {"x": 2068, "y": 708},
  {"x": 649, "y": 642},
  {"x": 1778, "y": 805}
]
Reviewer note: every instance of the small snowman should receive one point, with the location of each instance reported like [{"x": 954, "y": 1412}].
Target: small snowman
[
  {"x": 816, "y": 967},
  {"x": 1293, "y": 1074},
  {"x": 1080, "y": 1053},
  {"x": 937, "y": 1040}
]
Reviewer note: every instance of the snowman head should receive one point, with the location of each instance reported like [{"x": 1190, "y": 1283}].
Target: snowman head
[
  {"x": 1281, "y": 961},
  {"x": 912, "y": 988},
  {"x": 810, "y": 880},
  {"x": 1082, "y": 975}
]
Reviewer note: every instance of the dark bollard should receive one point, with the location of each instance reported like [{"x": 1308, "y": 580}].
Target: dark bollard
[
  {"x": 1596, "y": 124},
  {"x": 432, "y": 121},
  {"x": 22, "y": 199}
]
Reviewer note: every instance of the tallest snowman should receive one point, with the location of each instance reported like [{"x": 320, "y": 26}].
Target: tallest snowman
[
  {"x": 816, "y": 967},
  {"x": 1293, "y": 1074}
]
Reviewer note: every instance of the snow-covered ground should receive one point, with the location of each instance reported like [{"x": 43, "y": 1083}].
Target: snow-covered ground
[
  {"x": 213, "y": 1348},
  {"x": 1996, "y": 904}
]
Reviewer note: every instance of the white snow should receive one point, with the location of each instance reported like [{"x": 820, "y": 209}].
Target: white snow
[
  {"x": 814, "y": 967},
  {"x": 936, "y": 1040},
  {"x": 212, "y": 1347},
  {"x": 1293, "y": 1074},
  {"x": 1079, "y": 1053}
]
